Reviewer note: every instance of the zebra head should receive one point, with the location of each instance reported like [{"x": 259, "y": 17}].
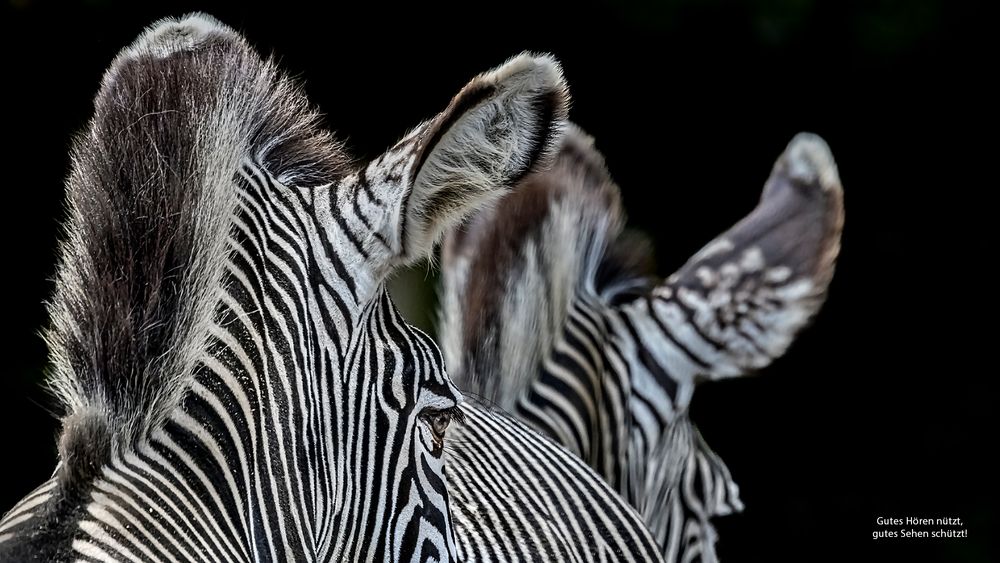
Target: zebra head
[
  {"x": 237, "y": 384},
  {"x": 387, "y": 214}
]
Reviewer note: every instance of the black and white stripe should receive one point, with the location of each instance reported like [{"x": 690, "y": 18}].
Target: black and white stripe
[
  {"x": 237, "y": 385},
  {"x": 551, "y": 311}
]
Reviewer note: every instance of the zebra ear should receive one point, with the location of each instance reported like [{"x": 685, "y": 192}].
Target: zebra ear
[
  {"x": 502, "y": 125},
  {"x": 748, "y": 292}
]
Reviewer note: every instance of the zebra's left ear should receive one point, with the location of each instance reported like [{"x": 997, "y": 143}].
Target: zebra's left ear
[
  {"x": 741, "y": 300},
  {"x": 502, "y": 125}
]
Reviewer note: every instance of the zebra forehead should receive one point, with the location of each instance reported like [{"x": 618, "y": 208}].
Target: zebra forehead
[{"x": 416, "y": 361}]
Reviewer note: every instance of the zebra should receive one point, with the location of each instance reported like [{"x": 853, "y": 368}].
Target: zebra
[
  {"x": 552, "y": 311},
  {"x": 235, "y": 381}
]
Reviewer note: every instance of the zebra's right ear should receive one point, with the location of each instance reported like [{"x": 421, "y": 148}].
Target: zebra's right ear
[{"x": 502, "y": 125}]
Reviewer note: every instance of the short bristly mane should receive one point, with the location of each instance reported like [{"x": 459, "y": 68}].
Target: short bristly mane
[{"x": 149, "y": 202}]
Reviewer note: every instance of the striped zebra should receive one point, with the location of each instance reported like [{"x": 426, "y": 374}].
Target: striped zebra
[
  {"x": 552, "y": 312},
  {"x": 235, "y": 381}
]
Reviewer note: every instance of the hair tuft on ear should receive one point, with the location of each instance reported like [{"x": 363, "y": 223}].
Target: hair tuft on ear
[{"x": 500, "y": 127}]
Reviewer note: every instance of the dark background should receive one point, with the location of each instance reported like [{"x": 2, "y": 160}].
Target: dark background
[{"x": 880, "y": 409}]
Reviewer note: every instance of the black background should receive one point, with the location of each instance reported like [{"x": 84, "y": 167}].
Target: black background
[{"x": 880, "y": 409}]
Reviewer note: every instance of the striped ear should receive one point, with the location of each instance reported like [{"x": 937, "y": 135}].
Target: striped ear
[
  {"x": 501, "y": 126},
  {"x": 740, "y": 301}
]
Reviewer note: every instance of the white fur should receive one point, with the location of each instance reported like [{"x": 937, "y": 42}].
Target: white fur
[{"x": 473, "y": 162}]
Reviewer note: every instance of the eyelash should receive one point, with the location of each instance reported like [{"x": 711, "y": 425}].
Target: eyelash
[
  {"x": 455, "y": 414},
  {"x": 432, "y": 418}
]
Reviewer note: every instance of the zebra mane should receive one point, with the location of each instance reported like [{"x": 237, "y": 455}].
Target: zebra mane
[
  {"x": 149, "y": 198},
  {"x": 515, "y": 269}
]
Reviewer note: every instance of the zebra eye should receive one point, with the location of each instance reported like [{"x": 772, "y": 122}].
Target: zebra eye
[{"x": 439, "y": 419}]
